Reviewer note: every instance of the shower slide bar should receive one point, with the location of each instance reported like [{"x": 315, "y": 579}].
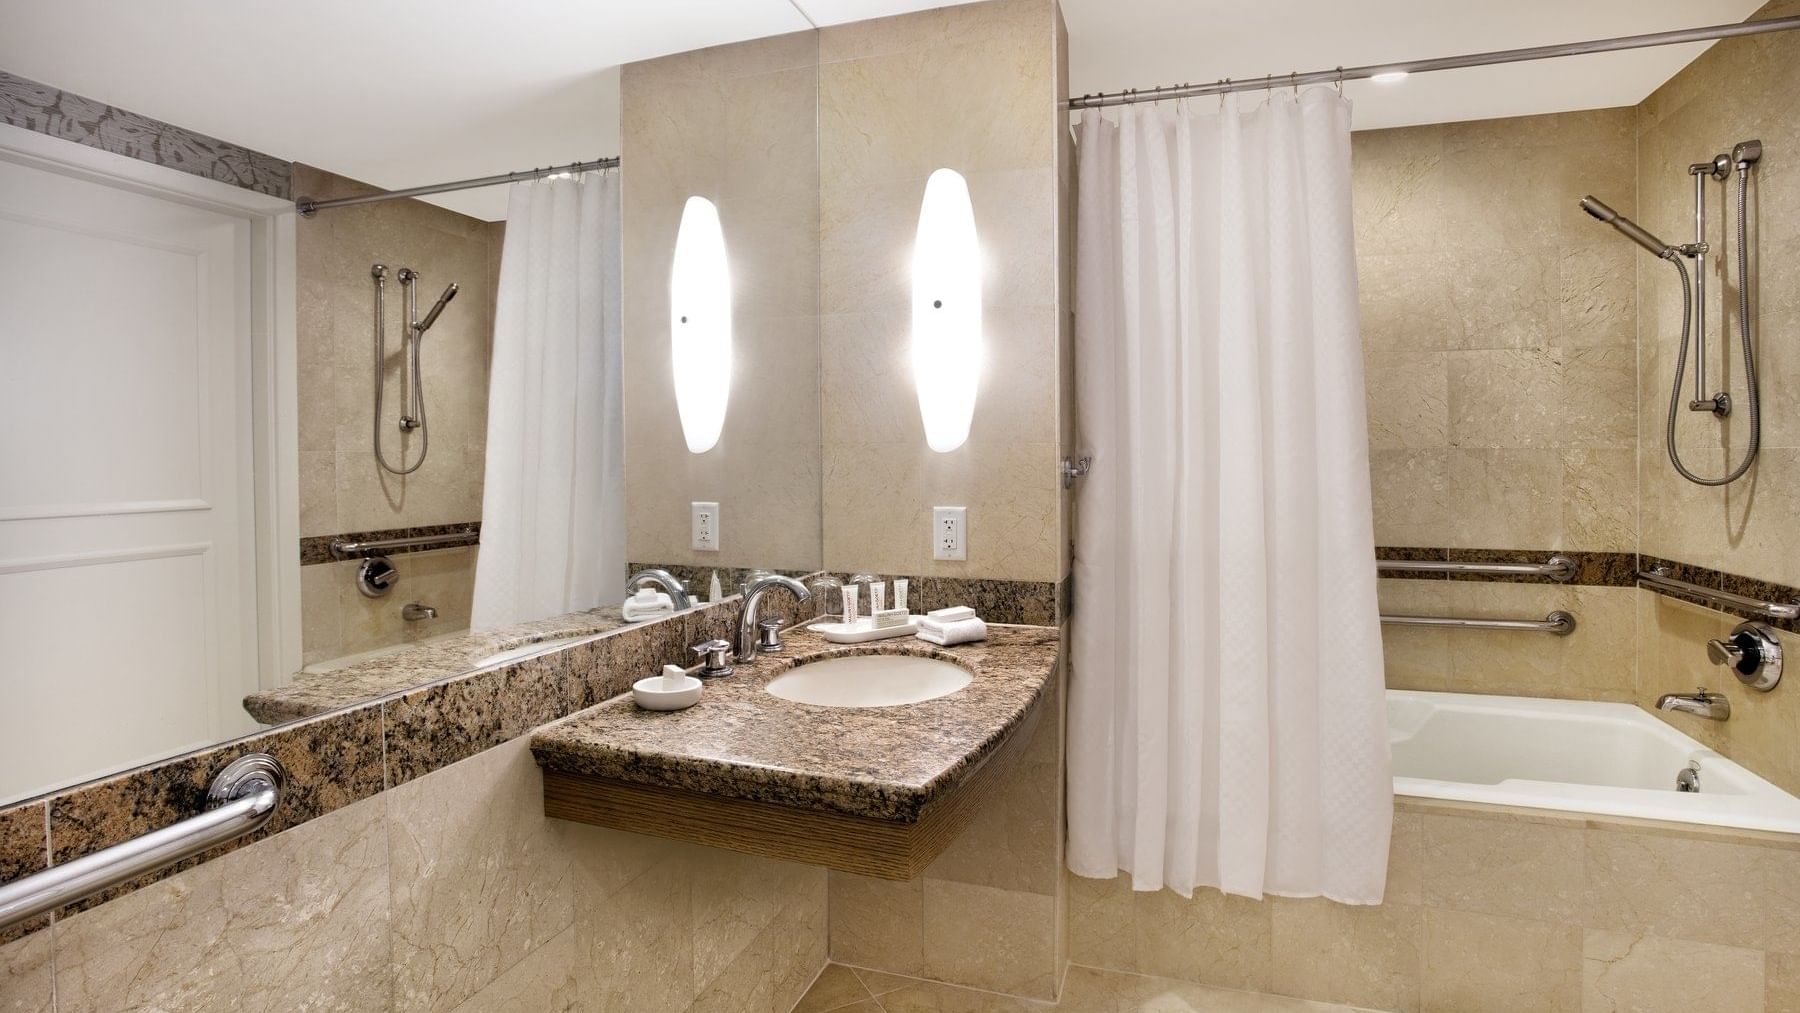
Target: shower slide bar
[
  {"x": 345, "y": 549},
  {"x": 1560, "y": 568},
  {"x": 1559, "y": 623},
  {"x": 241, "y": 799},
  {"x": 1658, "y": 579}
]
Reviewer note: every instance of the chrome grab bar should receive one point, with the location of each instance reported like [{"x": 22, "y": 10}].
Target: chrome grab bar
[
  {"x": 344, "y": 549},
  {"x": 1558, "y": 567},
  {"x": 240, "y": 800},
  {"x": 1559, "y": 622},
  {"x": 1660, "y": 580}
]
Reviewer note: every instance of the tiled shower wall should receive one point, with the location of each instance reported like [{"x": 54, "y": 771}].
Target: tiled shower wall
[
  {"x": 1501, "y": 354},
  {"x": 1736, "y": 91},
  {"x": 342, "y": 490}
]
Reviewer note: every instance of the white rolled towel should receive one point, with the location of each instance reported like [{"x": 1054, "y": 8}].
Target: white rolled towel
[
  {"x": 962, "y": 631},
  {"x": 648, "y": 603}
]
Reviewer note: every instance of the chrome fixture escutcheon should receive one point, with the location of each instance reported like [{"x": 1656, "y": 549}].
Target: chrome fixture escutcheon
[
  {"x": 1753, "y": 652},
  {"x": 376, "y": 577}
]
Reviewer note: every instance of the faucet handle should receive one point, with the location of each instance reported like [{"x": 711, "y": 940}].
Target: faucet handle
[
  {"x": 770, "y": 640},
  {"x": 1724, "y": 652},
  {"x": 715, "y": 658}
]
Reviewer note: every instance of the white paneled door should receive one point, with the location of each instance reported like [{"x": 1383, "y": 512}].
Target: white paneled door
[{"x": 127, "y": 552}]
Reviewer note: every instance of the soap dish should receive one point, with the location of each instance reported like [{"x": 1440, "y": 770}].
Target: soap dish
[
  {"x": 650, "y": 695},
  {"x": 864, "y": 630}
]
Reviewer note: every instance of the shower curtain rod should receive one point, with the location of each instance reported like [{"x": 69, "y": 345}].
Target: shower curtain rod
[
  {"x": 1340, "y": 74},
  {"x": 309, "y": 207}
]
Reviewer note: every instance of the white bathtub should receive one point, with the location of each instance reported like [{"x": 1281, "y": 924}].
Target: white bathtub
[{"x": 1606, "y": 758}]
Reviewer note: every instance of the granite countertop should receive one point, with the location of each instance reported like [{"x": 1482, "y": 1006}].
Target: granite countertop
[
  {"x": 879, "y": 762},
  {"x": 406, "y": 668}
]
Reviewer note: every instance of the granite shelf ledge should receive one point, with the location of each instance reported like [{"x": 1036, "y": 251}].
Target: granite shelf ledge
[
  {"x": 879, "y": 791},
  {"x": 408, "y": 667}
]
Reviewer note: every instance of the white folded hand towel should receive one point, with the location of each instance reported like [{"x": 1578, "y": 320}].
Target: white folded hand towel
[
  {"x": 648, "y": 604},
  {"x": 947, "y": 634}
]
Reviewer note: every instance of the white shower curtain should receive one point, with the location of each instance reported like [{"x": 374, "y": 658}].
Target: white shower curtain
[
  {"x": 1227, "y": 726},
  {"x": 553, "y": 505}
]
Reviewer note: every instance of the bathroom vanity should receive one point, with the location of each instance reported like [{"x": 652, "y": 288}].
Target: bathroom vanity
[{"x": 875, "y": 790}]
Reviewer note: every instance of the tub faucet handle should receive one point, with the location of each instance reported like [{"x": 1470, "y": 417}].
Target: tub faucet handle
[{"x": 1752, "y": 651}]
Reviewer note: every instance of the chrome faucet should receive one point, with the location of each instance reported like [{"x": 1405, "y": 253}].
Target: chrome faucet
[
  {"x": 1700, "y": 703},
  {"x": 414, "y": 611},
  {"x": 747, "y": 643},
  {"x": 678, "y": 595}
]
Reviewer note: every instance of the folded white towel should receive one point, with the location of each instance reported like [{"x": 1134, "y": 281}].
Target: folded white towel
[
  {"x": 648, "y": 604},
  {"x": 948, "y": 634},
  {"x": 951, "y": 614}
]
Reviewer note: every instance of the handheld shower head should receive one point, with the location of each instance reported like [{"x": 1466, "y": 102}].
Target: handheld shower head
[
  {"x": 431, "y": 318},
  {"x": 1628, "y": 228}
]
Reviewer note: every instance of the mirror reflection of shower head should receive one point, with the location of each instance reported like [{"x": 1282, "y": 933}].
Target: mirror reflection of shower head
[
  {"x": 431, "y": 318},
  {"x": 1628, "y": 228}
]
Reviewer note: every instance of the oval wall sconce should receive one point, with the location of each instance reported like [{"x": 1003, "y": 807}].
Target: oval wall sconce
[
  {"x": 700, "y": 324},
  {"x": 946, "y": 311}
]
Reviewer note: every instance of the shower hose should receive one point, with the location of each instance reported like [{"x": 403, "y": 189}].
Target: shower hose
[
  {"x": 1687, "y": 317},
  {"x": 419, "y": 390}
]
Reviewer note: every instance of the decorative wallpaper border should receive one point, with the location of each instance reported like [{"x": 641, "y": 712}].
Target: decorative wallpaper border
[
  {"x": 47, "y": 110},
  {"x": 316, "y": 549},
  {"x": 1592, "y": 569},
  {"x": 348, "y": 755}
]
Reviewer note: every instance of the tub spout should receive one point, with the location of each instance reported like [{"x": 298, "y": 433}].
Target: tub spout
[{"x": 1701, "y": 703}]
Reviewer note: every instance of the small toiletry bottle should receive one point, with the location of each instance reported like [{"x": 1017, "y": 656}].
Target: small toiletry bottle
[
  {"x": 715, "y": 593},
  {"x": 878, "y": 597},
  {"x": 850, "y": 603},
  {"x": 900, "y": 592}
]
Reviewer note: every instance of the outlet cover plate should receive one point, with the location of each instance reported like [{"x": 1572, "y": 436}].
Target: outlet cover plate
[
  {"x": 705, "y": 526},
  {"x": 950, "y": 532}
]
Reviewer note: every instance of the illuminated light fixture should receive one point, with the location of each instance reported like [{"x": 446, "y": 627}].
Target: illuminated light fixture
[
  {"x": 1389, "y": 77},
  {"x": 700, "y": 324},
  {"x": 946, "y": 311}
]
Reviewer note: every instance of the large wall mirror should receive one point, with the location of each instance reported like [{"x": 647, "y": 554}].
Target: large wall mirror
[{"x": 264, "y": 465}]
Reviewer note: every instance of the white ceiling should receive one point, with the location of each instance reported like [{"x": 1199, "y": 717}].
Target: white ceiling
[
  {"x": 407, "y": 92},
  {"x": 1118, "y": 44}
]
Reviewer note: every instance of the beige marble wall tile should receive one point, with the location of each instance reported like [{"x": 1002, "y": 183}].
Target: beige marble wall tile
[
  {"x": 1504, "y": 867},
  {"x": 1649, "y": 974},
  {"x": 1366, "y": 956},
  {"x": 771, "y": 974},
  {"x": 987, "y": 938},
  {"x": 1398, "y": 187},
  {"x": 296, "y": 921},
  {"x": 1596, "y": 662},
  {"x": 1709, "y": 891},
  {"x": 877, "y": 923},
  {"x": 1500, "y": 498},
  {"x": 1212, "y": 938},
  {"x": 1407, "y": 399},
  {"x": 1014, "y": 842},
  {"x": 1781, "y": 982},
  {"x": 1599, "y": 296},
  {"x": 735, "y": 898},
  {"x": 478, "y": 879},
  {"x": 1479, "y": 962},
  {"x": 639, "y": 943},
  {"x": 1412, "y": 495},
  {"x": 27, "y": 974},
  {"x": 544, "y": 981},
  {"x": 736, "y": 124}
]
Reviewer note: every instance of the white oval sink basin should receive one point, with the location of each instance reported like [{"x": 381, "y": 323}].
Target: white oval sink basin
[{"x": 870, "y": 680}]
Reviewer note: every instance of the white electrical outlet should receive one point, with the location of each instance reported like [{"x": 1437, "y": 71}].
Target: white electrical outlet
[
  {"x": 706, "y": 526},
  {"x": 949, "y": 532}
]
